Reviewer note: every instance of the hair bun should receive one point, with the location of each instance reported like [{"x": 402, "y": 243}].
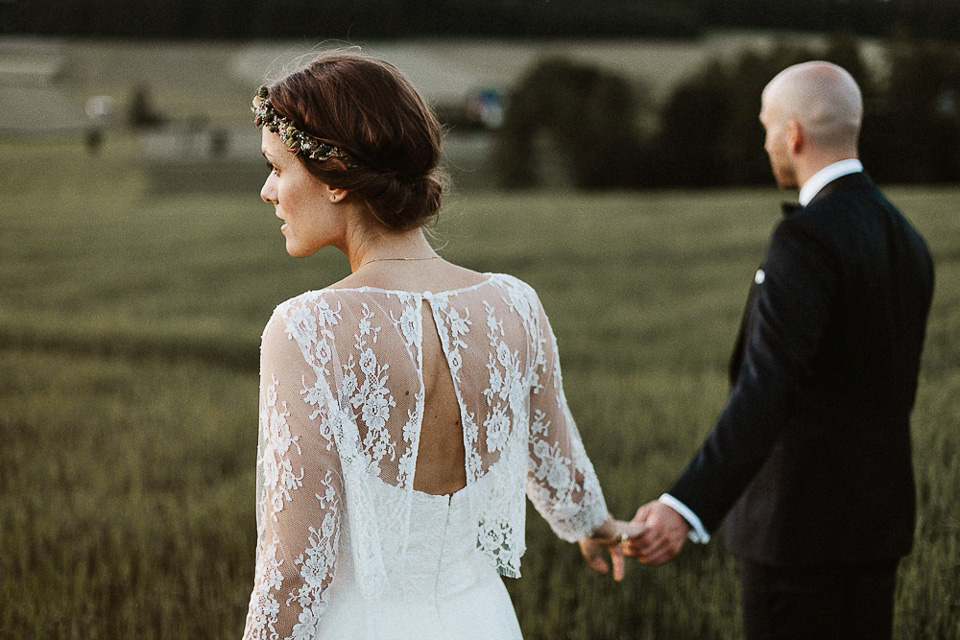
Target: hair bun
[{"x": 402, "y": 202}]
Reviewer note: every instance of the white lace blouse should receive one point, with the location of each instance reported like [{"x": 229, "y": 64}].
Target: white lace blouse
[{"x": 341, "y": 405}]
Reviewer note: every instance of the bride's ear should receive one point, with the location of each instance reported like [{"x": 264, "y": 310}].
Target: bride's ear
[{"x": 336, "y": 195}]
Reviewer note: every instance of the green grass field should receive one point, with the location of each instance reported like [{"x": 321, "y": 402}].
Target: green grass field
[{"x": 129, "y": 333}]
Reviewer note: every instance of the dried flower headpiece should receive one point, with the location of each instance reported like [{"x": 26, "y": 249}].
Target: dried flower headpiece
[{"x": 295, "y": 139}]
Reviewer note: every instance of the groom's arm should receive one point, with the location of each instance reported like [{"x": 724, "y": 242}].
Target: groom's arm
[
  {"x": 792, "y": 309},
  {"x": 667, "y": 524},
  {"x": 697, "y": 532}
]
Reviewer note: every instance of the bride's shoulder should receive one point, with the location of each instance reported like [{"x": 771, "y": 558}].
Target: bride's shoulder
[
  {"x": 514, "y": 280},
  {"x": 311, "y": 309},
  {"x": 319, "y": 298},
  {"x": 515, "y": 286}
]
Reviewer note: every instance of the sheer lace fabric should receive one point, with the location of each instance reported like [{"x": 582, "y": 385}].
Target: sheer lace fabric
[{"x": 341, "y": 409}]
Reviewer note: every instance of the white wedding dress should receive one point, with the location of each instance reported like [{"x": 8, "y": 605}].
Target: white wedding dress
[{"x": 347, "y": 548}]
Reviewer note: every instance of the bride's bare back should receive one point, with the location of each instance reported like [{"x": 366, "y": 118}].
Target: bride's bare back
[{"x": 441, "y": 460}]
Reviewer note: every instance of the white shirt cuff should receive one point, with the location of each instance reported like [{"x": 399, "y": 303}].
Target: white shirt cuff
[{"x": 697, "y": 532}]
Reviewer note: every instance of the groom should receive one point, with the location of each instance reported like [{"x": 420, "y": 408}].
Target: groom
[{"x": 810, "y": 459}]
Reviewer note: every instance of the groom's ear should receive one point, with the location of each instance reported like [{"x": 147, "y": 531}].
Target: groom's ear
[{"x": 796, "y": 137}]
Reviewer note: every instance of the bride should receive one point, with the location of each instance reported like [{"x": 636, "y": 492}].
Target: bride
[{"x": 407, "y": 410}]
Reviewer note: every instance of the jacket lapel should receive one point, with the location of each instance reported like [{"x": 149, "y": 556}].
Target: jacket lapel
[
  {"x": 739, "y": 348},
  {"x": 859, "y": 180}
]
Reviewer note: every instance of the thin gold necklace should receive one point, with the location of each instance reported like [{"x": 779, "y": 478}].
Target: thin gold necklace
[{"x": 397, "y": 260}]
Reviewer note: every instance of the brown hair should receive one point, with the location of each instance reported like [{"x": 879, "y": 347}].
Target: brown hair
[{"x": 367, "y": 108}]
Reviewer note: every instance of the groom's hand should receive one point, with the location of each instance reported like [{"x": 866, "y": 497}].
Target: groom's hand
[{"x": 664, "y": 537}]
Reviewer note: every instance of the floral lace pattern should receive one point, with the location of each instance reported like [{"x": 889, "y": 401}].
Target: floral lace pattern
[{"x": 341, "y": 407}]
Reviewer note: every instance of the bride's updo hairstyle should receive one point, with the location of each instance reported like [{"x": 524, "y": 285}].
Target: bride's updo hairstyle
[{"x": 387, "y": 139}]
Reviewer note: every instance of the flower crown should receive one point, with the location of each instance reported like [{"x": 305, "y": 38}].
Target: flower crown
[{"x": 295, "y": 139}]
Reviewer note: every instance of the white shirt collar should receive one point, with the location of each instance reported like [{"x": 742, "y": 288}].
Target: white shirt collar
[{"x": 825, "y": 176}]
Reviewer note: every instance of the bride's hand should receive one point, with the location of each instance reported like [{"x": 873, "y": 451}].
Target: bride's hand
[{"x": 609, "y": 536}]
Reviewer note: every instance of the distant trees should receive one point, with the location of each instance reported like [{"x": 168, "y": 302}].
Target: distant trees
[
  {"x": 912, "y": 133},
  {"x": 933, "y": 18},
  {"x": 707, "y": 132},
  {"x": 141, "y": 114},
  {"x": 582, "y": 117},
  {"x": 709, "y": 129},
  {"x": 350, "y": 19}
]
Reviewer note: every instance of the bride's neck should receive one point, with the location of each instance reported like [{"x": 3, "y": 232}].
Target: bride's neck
[{"x": 378, "y": 244}]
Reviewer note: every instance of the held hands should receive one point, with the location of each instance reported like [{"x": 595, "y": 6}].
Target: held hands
[
  {"x": 655, "y": 536},
  {"x": 611, "y": 536},
  {"x": 665, "y": 532}
]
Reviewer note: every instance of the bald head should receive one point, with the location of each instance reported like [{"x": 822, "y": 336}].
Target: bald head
[{"x": 823, "y": 98}]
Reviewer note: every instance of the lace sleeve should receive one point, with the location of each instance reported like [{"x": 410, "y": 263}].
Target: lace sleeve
[
  {"x": 561, "y": 481},
  {"x": 299, "y": 494}
]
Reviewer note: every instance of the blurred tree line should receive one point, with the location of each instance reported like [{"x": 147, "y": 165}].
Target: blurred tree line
[
  {"x": 932, "y": 18},
  {"x": 350, "y": 19},
  {"x": 606, "y": 133}
]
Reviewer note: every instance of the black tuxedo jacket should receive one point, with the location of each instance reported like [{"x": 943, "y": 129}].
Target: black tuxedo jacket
[{"x": 811, "y": 456}]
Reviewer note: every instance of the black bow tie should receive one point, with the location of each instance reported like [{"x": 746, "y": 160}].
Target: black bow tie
[{"x": 789, "y": 208}]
